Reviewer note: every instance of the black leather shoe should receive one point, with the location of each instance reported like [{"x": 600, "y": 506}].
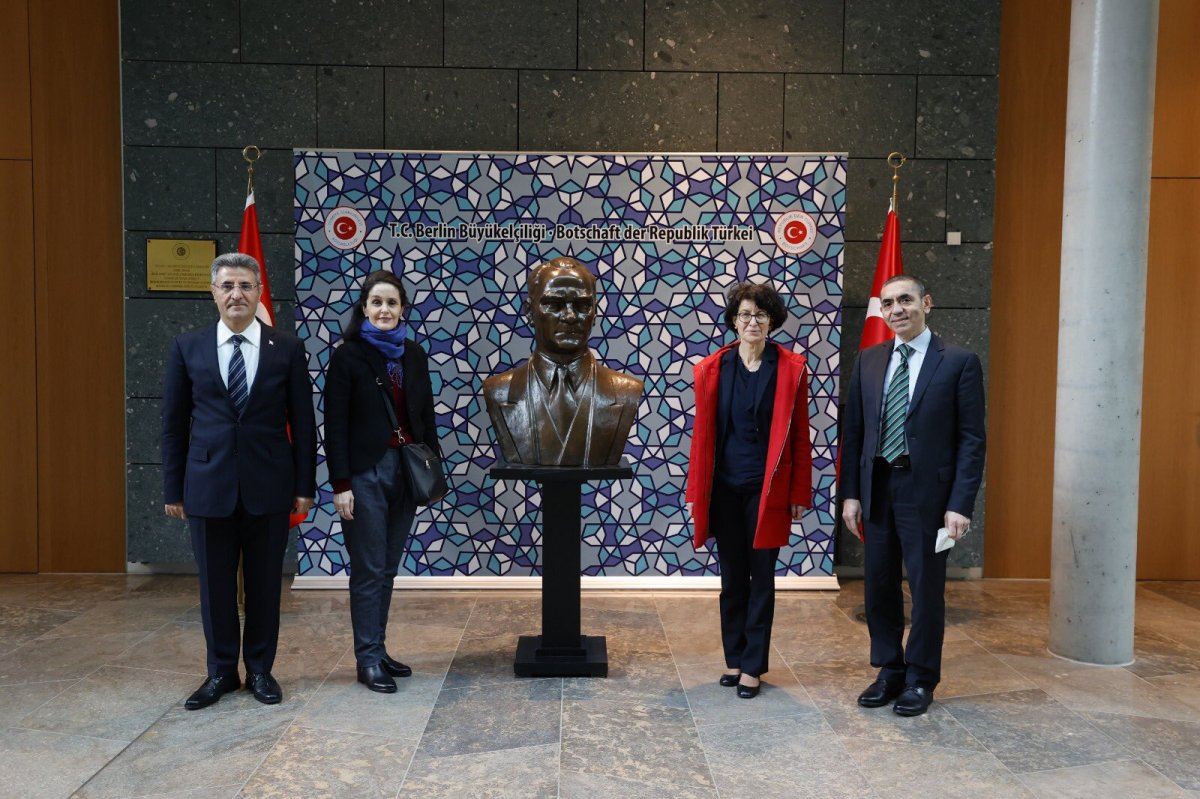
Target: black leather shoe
[
  {"x": 375, "y": 678},
  {"x": 729, "y": 680},
  {"x": 212, "y": 690},
  {"x": 913, "y": 701},
  {"x": 265, "y": 688},
  {"x": 394, "y": 667},
  {"x": 748, "y": 691},
  {"x": 879, "y": 693}
]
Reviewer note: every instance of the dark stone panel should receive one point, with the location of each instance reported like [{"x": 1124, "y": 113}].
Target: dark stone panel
[
  {"x": 922, "y": 198},
  {"x": 274, "y": 190},
  {"x": 929, "y": 37},
  {"x": 511, "y": 34},
  {"x": 150, "y": 324},
  {"x": 750, "y": 113},
  {"x": 278, "y": 251},
  {"x": 169, "y": 188},
  {"x": 363, "y": 32},
  {"x": 971, "y": 199},
  {"x": 451, "y": 109},
  {"x": 219, "y": 105},
  {"x": 611, "y": 34},
  {"x": 956, "y": 117},
  {"x": 744, "y": 35},
  {"x": 143, "y": 430},
  {"x": 865, "y": 115},
  {"x": 350, "y": 108},
  {"x": 151, "y": 536},
  {"x": 956, "y": 277},
  {"x": 618, "y": 111},
  {"x": 179, "y": 30}
]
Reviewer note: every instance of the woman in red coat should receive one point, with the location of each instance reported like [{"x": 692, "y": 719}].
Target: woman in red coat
[{"x": 751, "y": 471}]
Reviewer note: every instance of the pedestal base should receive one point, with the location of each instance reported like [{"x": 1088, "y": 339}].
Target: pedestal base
[{"x": 590, "y": 659}]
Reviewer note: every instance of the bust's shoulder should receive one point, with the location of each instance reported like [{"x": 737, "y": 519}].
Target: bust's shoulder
[
  {"x": 622, "y": 384},
  {"x": 496, "y": 386}
]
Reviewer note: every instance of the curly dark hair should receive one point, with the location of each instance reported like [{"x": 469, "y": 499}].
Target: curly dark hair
[
  {"x": 359, "y": 314},
  {"x": 763, "y": 295}
]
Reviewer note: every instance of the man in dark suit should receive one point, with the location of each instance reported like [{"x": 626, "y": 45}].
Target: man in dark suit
[
  {"x": 913, "y": 441},
  {"x": 563, "y": 407},
  {"x": 230, "y": 392}
]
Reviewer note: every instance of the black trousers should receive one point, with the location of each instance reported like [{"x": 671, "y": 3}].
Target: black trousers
[
  {"x": 897, "y": 534},
  {"x": 747, "y": 579},
  {"x": 375, "y": 538},
  {"x": 259, "y": 542}
]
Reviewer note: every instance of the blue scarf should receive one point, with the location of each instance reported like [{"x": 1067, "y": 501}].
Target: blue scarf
[{"x": 390, "y": 344}]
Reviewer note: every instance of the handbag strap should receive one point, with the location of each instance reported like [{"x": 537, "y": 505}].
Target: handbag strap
[{"x": 389, "y": 402}]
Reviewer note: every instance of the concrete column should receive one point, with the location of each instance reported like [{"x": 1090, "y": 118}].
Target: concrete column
[{"x": 1101, "y": 328}]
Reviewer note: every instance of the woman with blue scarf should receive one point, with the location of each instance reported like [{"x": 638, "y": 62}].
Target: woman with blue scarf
[{"x": 375, "y": 366}]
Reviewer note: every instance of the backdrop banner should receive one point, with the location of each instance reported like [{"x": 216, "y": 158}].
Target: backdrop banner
[{"x": 666, "y": 236}]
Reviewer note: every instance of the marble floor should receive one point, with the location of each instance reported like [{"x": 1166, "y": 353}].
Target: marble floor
[{"x": 94, "y": 670}]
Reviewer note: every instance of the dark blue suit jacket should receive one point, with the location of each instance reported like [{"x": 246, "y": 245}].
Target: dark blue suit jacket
[
  {"x": 945, "y": 429},
  {"x": 210, "y": 455}
]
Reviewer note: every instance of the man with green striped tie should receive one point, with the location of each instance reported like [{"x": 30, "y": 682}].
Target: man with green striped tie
[{"x": 913, "y": 438}]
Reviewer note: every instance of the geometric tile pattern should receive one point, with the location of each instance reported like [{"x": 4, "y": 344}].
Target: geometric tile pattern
[{"x": 666, "y": 235}]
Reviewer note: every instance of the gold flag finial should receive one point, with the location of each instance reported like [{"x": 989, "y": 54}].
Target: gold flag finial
[
  {"x": 251, "y": 154},
  {"x": 896, "y": 160}
]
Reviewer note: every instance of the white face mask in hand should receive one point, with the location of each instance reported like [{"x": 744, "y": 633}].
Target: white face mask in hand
[{"x": 944, "y": 541}]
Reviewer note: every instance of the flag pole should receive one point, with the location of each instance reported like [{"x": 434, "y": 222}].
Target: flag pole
[
  {"x": 895, "y": 160},
  {"x": 250, "y": 160}
]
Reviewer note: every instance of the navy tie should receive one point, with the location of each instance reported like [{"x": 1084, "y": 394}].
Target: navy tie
[{"x": 239, "y": 389}]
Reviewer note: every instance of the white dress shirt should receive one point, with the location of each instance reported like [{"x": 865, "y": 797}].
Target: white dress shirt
[
  {"x": 250, "y": 350},
  {"x": 919, "y": 344}
]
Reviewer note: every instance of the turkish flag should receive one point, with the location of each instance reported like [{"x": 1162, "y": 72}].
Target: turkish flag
[
  {"x": 250, "y": 243},
  {"x": 875, "y": 330}
]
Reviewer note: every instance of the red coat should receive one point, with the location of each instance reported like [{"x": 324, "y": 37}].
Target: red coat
[{"x": 788, "y": 477}]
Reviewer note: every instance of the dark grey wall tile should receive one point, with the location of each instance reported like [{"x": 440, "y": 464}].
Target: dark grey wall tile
[
  {"x": 150, "y": 536},
  {"x": 143, "y": 430},
  {"x": 749, "y": 111},
  {"x": 512, "y": 34},
  {"x": 350, "y": 108},
  {"x": 744, "y": 35},
  {"x": 451, "y": 109},
  {"x": 929, "y": 37},
  {"x": 956, "y": 277},
  {"x": 866, "y": 115},
  {"x": 618, "y": 111},
  {"x": 135, "y": 260},
  {"x": 274, "y": 187},
  {"x": 150, "y": 324},
  {"x": 971, "y": 198},
  {"x": 858, "y": 272},
  {"x": 362, "y": 32},
  {"x": 219, "y": 105},
  {"x": 956, "y": 117},
  {"x": 169, "y": 188},
  {"x": 278, "y": 251},
  {"x": 179, "y": 30},
  {"x": 922, "y": 199},
  {"x": 611, "y": 33}
]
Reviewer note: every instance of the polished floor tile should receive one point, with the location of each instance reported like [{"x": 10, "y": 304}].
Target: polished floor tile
[{"x": 94, "y": 670}]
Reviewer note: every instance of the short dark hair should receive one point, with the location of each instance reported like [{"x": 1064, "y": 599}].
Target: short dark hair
[
  {"x": 920, "y": 284},
  {"x": 359, "y": 315},
  {"x": 763, "y": 295}
]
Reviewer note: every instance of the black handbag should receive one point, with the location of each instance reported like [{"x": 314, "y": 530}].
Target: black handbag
[{"x": 423, "y": 473}]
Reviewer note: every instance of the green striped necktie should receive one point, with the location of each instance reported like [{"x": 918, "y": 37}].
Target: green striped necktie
[{"x": 895, "y": 408}]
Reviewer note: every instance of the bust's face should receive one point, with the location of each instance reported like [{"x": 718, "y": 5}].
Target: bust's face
[{"x": 562, "y": 315}]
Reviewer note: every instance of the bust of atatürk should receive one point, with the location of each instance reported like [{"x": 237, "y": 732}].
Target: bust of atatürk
[{"x": 563, "y": 407}]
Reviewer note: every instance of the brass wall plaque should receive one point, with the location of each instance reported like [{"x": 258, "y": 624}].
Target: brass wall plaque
[{"x": 179, "y": 264}]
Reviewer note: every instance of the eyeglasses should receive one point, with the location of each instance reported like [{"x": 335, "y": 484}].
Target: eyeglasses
[
  {"x": 227, "y": 288},
  {"x": 745, "y": 316}
]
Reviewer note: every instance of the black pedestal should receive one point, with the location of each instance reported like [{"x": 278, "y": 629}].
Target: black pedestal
[{"x": 561, "y": 650}]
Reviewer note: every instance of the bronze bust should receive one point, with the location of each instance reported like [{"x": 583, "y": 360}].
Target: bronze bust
[{"x": 562, "y": 407}]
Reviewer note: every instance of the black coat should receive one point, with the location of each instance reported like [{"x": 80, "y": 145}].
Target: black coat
[{"x": 357, "y": 425}]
